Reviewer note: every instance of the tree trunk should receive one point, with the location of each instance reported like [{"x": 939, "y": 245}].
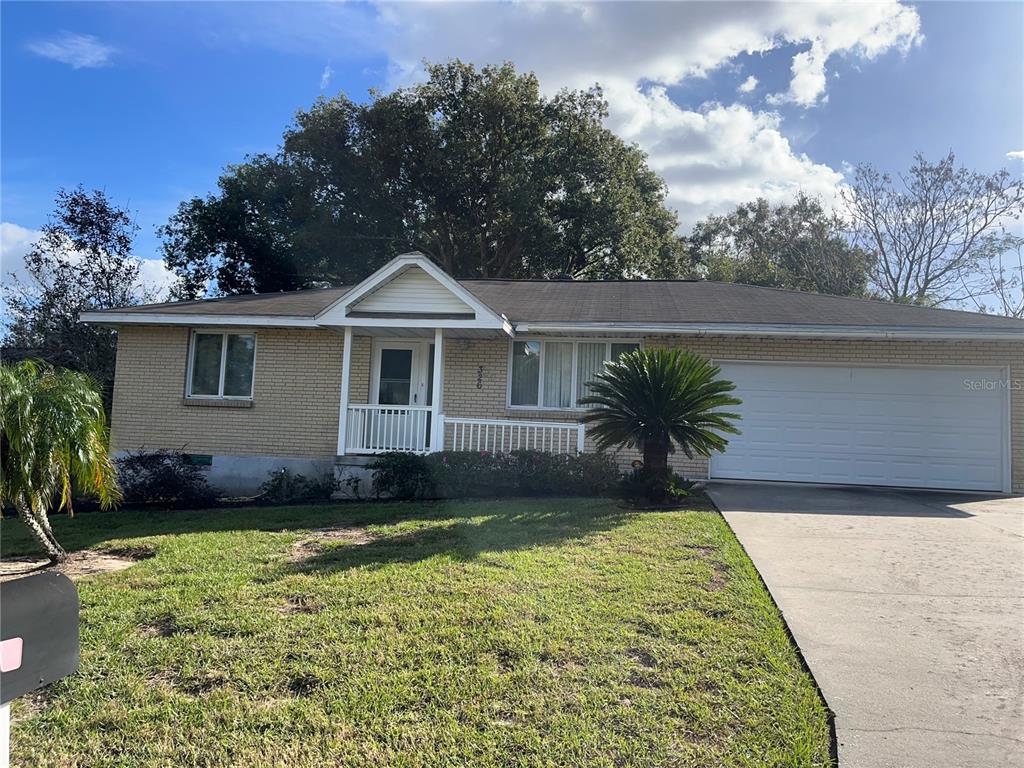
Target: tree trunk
[
  {"x": 43, "y": 534},
  {"x": 656, "y": 469}
]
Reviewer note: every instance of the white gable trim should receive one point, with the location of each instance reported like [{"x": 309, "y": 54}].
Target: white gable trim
[
  {"x": 338, "y": 312},
  {"x": 412, "y": 291}
]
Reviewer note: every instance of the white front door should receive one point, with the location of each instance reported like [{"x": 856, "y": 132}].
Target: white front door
[
  {"x": 402, "y": 377},
  {"x": 917, "y": 427}
]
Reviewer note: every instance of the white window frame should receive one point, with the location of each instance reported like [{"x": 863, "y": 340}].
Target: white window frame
[
  {"x": 223, "y": 362},
  {"x": 576, "y": 341}
]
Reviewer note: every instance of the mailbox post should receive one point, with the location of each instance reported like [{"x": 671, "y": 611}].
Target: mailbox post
[{"x": 38, "y": 640}]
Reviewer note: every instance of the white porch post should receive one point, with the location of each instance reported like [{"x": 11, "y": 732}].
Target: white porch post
[
  {"x": 436, "y": 405},
  {"x": 346, "y": 374}
]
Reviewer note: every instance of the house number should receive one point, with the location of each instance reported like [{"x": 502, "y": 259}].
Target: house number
[{"x": 479, "y": 377}]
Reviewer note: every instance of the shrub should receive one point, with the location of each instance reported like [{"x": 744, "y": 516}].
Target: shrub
[
  {"x": 468, "y": 474},
  {"x": 164, "y": 478},
  {"x": 286, "y": 487},
  {"x": 642, "y": 485},
  {"x": 402, "y": 476}
]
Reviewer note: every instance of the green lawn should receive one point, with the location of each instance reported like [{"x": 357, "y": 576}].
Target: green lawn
[{"x": 533, "y": 632}]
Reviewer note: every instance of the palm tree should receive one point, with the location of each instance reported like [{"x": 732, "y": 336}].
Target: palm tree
[
  {"x": 656, "y": 400},
  {"x": 53, "y": 437}
]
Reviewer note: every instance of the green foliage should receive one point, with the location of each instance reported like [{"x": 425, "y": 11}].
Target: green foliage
[
  {"x": 640, "y": 485},
  {"x": 53, "y": 443},
  {"x": 475, "y": 474},
  {"x": 286, "y": 487},
  {"x": 82, "y": 261},
  {"x": 657, "y": 400},
  {"x": 402, "y": 476},
  {"x": 797, "y": 246},
  {"x": 165, "y": 479},
  {"x": 473, "y": 167}
]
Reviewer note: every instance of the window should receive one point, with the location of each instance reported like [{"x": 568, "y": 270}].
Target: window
[
  {"x": 554, "y": 374},
  {"x": 221, "y": 365}
]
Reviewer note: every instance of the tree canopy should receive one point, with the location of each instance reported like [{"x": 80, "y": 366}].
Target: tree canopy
[
  {"x": 82, "y": 261},
  {"x": 936, "y": 230},
  {"x": 475, "y": 168},
  {"x": 798, "y": 246}
]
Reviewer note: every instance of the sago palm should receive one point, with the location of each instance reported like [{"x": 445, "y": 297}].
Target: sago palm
[
  {"x": 659, "y": 399},
  {"x": 53, "y": 438}
]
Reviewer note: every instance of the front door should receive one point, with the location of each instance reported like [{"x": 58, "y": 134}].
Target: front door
[{"x": 402, "y": 377}]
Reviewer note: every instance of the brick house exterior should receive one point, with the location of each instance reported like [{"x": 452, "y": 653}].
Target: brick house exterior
[{"x": 293, "y": 414}]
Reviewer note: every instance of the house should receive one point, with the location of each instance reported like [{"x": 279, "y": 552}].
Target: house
[{"x": 834, "y": 390}]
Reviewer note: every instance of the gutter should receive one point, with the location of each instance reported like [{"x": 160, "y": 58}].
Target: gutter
[
  {"x": 782, "y": 330},
  {"x": 175, "y": 318}
]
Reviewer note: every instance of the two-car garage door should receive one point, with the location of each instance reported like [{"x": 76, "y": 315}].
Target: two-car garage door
[{"x": 914, "y": 427}]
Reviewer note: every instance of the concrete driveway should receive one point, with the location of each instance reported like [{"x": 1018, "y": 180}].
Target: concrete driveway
[{"x": 909, "y": 608}]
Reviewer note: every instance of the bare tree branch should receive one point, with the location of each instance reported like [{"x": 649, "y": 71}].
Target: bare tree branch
[{"x": 931, "y": 228}]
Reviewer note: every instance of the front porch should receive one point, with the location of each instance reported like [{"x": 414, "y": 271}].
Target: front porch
[
  {"x": 404, "y": 389},
  {"x": 393, "y": 393}
]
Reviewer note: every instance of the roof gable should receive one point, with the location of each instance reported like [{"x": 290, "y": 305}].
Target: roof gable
[{"x": 411, "y": 290}]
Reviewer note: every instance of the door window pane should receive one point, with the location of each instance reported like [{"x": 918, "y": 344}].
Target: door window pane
[
  {"x": 590, "y": 359},
  {"x": 206, "y": 364},
  {"x": 620, "y": 349},
  {"x": 395, "y": 376},
  {"x": 525, "y": 372},
  {"x": 558, "y": 374},
  {"x": 239, "y": 365}
]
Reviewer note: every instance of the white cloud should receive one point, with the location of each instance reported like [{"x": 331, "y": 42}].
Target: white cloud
[
  {"x": 712, "y": 157},
  {"x": 325, "y": 77},
  {"x": 718, "y": 156},
  {"x": 664, "y": 43},
  {"x": 748, "y": 85},
  {"x": 1017, "y": 154},
  {"x": 78, "y": 51},
  {"x": 16, "y": 241},
  {"x": 154, "y": 275},
  {"x": 863, "y": 30}
]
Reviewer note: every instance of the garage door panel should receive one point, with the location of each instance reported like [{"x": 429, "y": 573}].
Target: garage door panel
[{"x": 886, "y": 426}]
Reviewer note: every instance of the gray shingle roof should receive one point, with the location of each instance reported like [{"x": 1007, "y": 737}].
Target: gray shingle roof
[
  {"x": 637, "y": 302},
  {"x": 305, "y": 303},
  {"x": 683, "y": 301}
]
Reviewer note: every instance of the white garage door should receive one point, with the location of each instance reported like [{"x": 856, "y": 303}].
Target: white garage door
[{"x": 915, "y": 427}]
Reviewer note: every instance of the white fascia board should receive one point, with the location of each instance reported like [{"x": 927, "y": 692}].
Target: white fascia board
[
  {"x": 154, "y": 318},
  {"x": 817, "y": 331},
  {"x": 331, "y": 316},
  {"x": 414, "y": 322}
]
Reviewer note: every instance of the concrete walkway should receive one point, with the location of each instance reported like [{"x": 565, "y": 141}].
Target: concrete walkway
[{"x": 909, "y": 608}]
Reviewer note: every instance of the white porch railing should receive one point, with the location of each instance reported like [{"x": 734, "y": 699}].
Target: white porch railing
[
  {"x": 499, "y": 435},
  {"x": 383, "y": 428}
]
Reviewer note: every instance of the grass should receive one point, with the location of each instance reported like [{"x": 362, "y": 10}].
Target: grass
[{"x": 530, "y": 633}]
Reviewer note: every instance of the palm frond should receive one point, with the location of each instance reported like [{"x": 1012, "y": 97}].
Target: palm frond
[
  {"x": 668, "y": 397},
  {"x": 54, "y": 439}
]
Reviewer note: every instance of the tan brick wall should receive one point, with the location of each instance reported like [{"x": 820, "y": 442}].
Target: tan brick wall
[
  {"x": 298, "y": 374},
  {"x": 465, "y": 398},
  {"x": 296, "y": 392}
]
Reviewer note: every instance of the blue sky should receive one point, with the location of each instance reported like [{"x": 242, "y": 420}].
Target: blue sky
[{"x": 150, "y": 101}]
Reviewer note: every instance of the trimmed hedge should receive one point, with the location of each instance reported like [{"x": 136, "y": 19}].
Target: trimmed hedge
[{"x": 467, "y": 474}]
